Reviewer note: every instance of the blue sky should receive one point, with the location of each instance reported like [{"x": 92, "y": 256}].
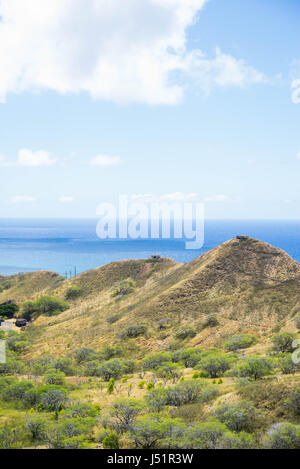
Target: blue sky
[{"x": 159, "y": 97}]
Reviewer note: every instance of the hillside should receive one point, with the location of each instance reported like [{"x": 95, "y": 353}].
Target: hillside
[
  {"x": 200, "y": 355},
  {"x": 248, "y": 285}
]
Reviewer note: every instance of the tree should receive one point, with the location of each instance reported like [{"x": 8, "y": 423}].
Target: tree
[
  {"x": 156, "y": 399},
  {"x": 36, "y": 429},
  {"x": 216, "y": 365},
  {"x": 125, "y": 412},
  {"x": 84, "y": 354},
  {"x": 148, "y": 432},
  {"x": 254, "y": 367},
  {"x": 54, "y": 400},
  {"x": 156, "y": 359}
]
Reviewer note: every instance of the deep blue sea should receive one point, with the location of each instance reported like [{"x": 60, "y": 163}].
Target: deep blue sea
[{"x": 63, "y": 245}]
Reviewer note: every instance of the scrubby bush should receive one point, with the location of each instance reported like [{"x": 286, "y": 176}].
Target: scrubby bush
[
  {"x": 239, "y": 342},
  {"x": 82, "y": 410},
  {"x": 184, "y": 393},
  {"x": 297, "y": 323},
  {"x": 113, "y": 318},
  {"x": 124, "y": 288},
  {"x": 294, "y": 402},
  {"x": 207, "y": 435},
  {"x": 73, "y": 292},
  {"x": 55, "y": 377},
  {"x": 84, "y": 354},
  {"x": 8, "y": 311},
  {"x": 156, "y": 359},
  {"x": 283, "y": 342},
  {"x": 190, "y": 357},
  {"x": 216, "y": 364},
  {"x": 210, "y": 321},
  {"x": 125, "y": 412},
  {"x": 149, "y": 432},
  {"x": 36, "y": 427},
  {"x": 238, "y": 417},
  {"x": 169, "y": 371},
  {"x": 185, "y": 332},
  {"x": 286, "y": 364},
  {"x": 283, "y": 436},
  {"x": 111, "y": 441},
  {"x": 132, "y": 331},
  {"x": 157, "y": 399},
  {"x": 254, "y": 367},
  {"x": 46, "y": 305}
]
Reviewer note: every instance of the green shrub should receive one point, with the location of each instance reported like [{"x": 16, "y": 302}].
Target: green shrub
[
  {"x": 286, "y": 364},
  {"x": 239, "y": 342},
  {"x": 8, "y": 311},
  {"x": 216, "y": 364},
  {"x": 294, "y": 402},
  {"x": 55, "y": 377},
  {"x": 185, "y": 332},
  {"x": 73, "y": 292},
  {"x": 254, "y": 367},
  {"x": 132, "y": 331},
  {"x": 124, "y": 288},
  {"x": 283, "y": 342},
  {"x": 211, "y": 321},
  {"x": 46, "y": 305},
  {"x": 156, "y": 359},
  {"x": 111, "y": 441},
  {"x": 238, "y": 417},
  {"x": 125, "y": 412},
  {"x": 113, "y": 318},
  {"x": 283, "y": 436},
  {"x": 184, "y": 393}
]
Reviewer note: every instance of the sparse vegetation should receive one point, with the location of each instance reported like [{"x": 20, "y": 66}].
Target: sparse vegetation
[{"x": 157, "y": 378}]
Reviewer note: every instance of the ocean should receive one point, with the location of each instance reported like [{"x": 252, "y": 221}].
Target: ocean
[{"x": 71, "y": 246}]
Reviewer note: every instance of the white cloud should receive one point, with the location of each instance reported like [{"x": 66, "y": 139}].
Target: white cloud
[
  {"x": 298, "y": 155},
  {"x": 66, "y": 199},
  {"x": 105, "y": 160},
  {"x": 217, "y": 199},
  {"x": 296, "y": 91},
  {"x": 22, "y": 199},
  {"x": 223, "y": 71},
  {"x": 173, "y": 197},
  {"x": 122, "y": 51},
  {"x": 30, "y": 158}
]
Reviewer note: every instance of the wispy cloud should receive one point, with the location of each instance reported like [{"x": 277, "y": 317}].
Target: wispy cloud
[
  {"x": 221, "y": 198},
  {"x": 66, "y": 199},
  {"x": 172, "y": 197},
  {"x": 22, "y": 199},
  {"x": 105, "y": 160},
  {"x": 28, "y": 157}
]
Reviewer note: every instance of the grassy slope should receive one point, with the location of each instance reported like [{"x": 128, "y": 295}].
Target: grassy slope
[{"x": 251, "y": 286}]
